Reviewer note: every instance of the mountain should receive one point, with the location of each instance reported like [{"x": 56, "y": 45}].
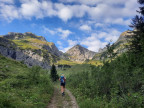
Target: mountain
[
  {"x": 29, "y": 49},
  {"x": 120, "y": 46},
  {"x": 35, "y": 50},
  {"x": 79, "y": 53}
]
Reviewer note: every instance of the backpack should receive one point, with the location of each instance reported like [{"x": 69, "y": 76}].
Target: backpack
[{"x": 62, "y": 79}]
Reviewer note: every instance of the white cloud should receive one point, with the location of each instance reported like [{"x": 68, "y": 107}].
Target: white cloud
[
  {"x": 65, "y": 14},
  {"x": 99, "y": 40},
  {"x": 47, "y": 30},
  {"x": 59, "y": 43},
  {"x": 88, "y": 2},
  {"x": 64, "y": 33},
  {"x": 99, "y": 25},
  {"x": 31, "y": 9},
  {"x": 48, "y": 8},
  {"x": 98, "y": 10},
  {"x": 9, "y": 12},
  {"x": 85, "y": 28},
  {"x": 7, "y": 1},
  {"x": 59, "y": 31},
  {"x": 71, "y": 43},
  {"x": 93, "y": 43}
]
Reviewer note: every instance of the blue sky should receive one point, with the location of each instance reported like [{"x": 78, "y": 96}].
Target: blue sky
[{"x": 90, "y": 23}]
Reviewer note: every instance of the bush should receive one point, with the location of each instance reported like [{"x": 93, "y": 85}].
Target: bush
[{"x": 118, "y": 84}]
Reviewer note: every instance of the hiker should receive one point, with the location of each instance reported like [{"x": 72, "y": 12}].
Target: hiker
[{"x": 62, "y": 80}]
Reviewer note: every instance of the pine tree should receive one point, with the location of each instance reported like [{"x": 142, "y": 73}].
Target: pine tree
[
  {"x": 54, "y": 75},
  {"x": 110, "y": 51},
  {"x": 137, "y": 39}
]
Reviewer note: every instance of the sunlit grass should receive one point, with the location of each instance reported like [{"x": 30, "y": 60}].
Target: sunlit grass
[{"x": 66, "y": 62}]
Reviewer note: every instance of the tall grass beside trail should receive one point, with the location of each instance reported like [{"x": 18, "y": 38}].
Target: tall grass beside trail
[
  {"x": 23, "y": 87},
  {"x": 119, "y": 84}
]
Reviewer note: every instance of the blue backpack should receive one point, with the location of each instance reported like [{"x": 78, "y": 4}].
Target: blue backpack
[{"x": 62, "y": 79}]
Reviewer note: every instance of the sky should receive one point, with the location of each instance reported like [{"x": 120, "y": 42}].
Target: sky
[{"x": 90, "y": 23}]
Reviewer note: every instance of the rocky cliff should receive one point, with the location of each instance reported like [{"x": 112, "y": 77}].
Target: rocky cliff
[
  {"x": 29, "y": 49},
  {"x": 79, "y": 53}
]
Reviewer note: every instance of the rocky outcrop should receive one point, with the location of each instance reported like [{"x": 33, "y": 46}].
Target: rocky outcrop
[
  {"x": 30, "y": 58},
  {"x": 123, "y": 37},
  {"x": 15, "y": 36},
  {"x": 79, "y": 53},
  {"x": 53, "y": 49}
]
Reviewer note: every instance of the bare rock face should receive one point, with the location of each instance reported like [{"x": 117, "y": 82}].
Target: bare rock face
[
  {"x": 29, "y": 57},
  {"x": 123, "y": 37},
  {"x": 79, "y": 53},
  {"x": 53, "y": 49},
  {"x": 40, "y": 52}
]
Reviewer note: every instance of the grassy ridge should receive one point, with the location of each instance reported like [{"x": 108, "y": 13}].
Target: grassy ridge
[
  {"x": 21, "y": 86},
  {"x": 31, "y": 43}
]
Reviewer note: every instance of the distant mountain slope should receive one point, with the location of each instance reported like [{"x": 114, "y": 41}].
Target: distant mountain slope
[
  {"x": 120, "y": 46},
  {"x": 30, "y": 49},
  {"x": 79, "y": 53},
  {"x": 35, "y": 50}
]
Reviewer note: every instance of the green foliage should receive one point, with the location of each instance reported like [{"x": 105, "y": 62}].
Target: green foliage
[
  {"x": 54, "y": 75},
  {"x": 65, "y": 62},
  {"x": 137, "y": 39},
  {"x": 74, "y": 69},
  {"x": 110, "y": 51},
  {"x": 21, "y": 86},
  {"x": 118, "y": 84},
  {"x": 34, "y": 74}
]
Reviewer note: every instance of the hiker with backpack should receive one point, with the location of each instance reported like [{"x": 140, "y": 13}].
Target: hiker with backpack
[{"x": 62, "y": 80}]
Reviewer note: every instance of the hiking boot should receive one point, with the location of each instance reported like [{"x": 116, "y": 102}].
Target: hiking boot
[{"x": 63, "y": 94}]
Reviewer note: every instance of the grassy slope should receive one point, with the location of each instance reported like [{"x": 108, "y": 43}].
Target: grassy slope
[
  {"x": 78, "y": 68},
  {"x": 94, "y": 62},
  {"x": 31, "y": 43},
  {"x": 66, "y": 62},
  {"x": 21, "y": 86}
]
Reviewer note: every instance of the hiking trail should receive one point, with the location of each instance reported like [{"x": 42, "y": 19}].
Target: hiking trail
[{"x": 59, "y": 101}]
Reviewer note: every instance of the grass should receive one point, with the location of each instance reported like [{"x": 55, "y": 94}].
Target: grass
[
  {"x": 94, "y": 62},
  {"x": 21, "y": 86},
  {"x": 33, "y": 40},
  {"x": 23, "y": 44},
  {"x": 31, "y": 43},
  {"x": 66, "y": 62},
  {"x": 78, "y": 68}
]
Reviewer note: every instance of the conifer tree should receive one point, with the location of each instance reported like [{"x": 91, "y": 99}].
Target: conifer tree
[
  {"x": 137, "y": 38},
  {"x": 54, "y": 75},
  {"x": 110, "y": 51}
]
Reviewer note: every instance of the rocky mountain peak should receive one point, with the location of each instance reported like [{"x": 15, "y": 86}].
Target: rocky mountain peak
[
  {"x": 79, "y": 53},
  {"x": 123, "y": 36}
]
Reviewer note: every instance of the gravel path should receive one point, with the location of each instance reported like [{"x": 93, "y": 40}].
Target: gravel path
[{"x": 59, "y": 101}]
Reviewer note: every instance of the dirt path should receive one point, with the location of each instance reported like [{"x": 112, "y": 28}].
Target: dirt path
[{"x": 59, "y": 101}]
